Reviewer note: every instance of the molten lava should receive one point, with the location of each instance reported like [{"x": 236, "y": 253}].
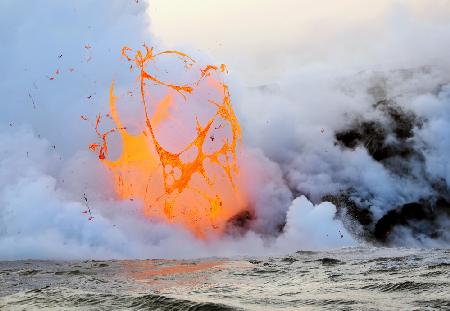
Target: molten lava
[{"x": 192, "y": 178}]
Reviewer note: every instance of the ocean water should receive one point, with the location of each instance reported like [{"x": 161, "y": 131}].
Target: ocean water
[{"x": 344, "y": 279}]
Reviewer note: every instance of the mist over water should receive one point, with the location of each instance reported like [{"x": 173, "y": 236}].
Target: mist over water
[{"x": 334, "y": 150}]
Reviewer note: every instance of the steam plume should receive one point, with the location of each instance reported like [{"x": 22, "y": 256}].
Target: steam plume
[{"x": 351, "y": 147}]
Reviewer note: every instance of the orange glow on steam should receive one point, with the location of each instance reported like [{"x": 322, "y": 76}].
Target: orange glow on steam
[{"x": 186, "y": 173}]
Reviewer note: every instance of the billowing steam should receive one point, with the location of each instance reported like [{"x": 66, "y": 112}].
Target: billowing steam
[{"x": 335, "y": 152}]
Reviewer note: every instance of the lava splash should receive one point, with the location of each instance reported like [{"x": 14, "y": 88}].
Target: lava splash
[{"x": 183, "y": 163}]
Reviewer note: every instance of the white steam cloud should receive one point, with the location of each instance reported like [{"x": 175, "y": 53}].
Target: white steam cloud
[{"x": 58, "y": 61}]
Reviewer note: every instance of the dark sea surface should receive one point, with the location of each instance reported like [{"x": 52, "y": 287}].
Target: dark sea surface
[{"x": 345, "y": 279}]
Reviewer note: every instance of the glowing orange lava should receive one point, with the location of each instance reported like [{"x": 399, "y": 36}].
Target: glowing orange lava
[{"x": 197, "y": 185}]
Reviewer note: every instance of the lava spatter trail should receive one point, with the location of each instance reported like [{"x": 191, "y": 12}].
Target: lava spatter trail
[{"x": 197, "y": 185}]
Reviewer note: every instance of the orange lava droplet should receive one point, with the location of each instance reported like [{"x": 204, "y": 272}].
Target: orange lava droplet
[
  {"x": 223, "y": 68},
  {"x": 93, "y": 147},
  {"x": 201, "y": 193}
]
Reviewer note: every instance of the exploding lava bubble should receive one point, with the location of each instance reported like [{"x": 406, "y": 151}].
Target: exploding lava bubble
[{"x": 183, "y": 162}]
